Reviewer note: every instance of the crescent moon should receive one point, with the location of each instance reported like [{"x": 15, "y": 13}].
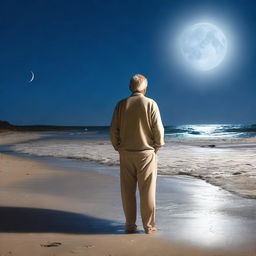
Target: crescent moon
[{"x": 32, "y": 78}]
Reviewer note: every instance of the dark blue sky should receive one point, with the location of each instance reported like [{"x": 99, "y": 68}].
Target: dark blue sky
[{"x": 83, "y": 54}]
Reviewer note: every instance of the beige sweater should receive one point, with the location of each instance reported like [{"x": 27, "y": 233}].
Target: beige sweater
[{"x": 136, "y": 124}]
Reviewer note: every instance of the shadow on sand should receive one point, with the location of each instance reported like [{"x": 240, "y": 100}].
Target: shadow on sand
[{"x": 37, "y": 220}]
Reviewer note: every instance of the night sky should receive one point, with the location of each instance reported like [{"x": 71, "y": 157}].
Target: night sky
[{"x": 83, "y": 54}]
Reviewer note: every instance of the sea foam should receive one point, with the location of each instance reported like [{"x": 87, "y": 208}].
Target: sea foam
[{"x": 229, "y": 164}]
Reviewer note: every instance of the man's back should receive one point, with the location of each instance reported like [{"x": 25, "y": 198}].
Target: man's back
[
  {"x": 136, "y": 124},
  {"x": 137, "y": 133}
]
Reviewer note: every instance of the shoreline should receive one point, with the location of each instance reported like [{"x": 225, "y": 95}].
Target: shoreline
[
  {"x": 181, "y": 174},
  {"x": 230, "y": 166},
  {"x": 54, "y": 190}
]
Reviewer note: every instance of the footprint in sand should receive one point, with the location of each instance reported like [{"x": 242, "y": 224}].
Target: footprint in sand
[
  {"x": 89, "y": 246},
  {"x": 53, "y": 244}
]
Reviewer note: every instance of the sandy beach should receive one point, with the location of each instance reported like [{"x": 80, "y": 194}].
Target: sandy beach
[
  {"x": 128, "y": 116},
  {"x": 10, "y": 137},
  {"x": 47, "y": 209}
]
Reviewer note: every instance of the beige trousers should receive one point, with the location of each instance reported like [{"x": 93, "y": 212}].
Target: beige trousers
[{"x": 138, "y": 168}]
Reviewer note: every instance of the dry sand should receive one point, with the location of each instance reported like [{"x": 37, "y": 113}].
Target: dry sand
[
  {"x": 33, "y": 219},
  {"x": 10, "y": 137}
]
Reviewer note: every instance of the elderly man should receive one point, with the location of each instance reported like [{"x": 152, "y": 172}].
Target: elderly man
[{"x": 137, "y": 133}]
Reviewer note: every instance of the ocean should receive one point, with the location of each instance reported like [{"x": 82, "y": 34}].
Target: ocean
[{"x": 192, "y": 131}]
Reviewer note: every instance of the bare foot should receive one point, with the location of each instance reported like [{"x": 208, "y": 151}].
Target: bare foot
[{"x": 151, "y": 230}]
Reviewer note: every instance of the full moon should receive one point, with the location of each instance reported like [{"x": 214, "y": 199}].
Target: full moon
[{"x": 204, "y": 46}]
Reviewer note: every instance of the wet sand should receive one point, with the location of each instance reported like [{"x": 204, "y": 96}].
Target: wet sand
[
  {"x": 230, "y": 164},
  {"x": 80, "y": 208},
  {"x": 52, "y": 206}
]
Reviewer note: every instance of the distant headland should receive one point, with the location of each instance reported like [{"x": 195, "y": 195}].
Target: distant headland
[{"x": 6, "y": 126}]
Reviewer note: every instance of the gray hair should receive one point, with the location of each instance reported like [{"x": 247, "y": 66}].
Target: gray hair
[{"x": 138, "y": 83}]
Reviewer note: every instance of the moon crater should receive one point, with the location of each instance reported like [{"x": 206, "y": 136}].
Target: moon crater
[{"x": 203, "y": 46}]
